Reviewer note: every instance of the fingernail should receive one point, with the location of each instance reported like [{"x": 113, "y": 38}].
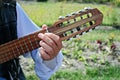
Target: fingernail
[{"x": 40, "y": 35}]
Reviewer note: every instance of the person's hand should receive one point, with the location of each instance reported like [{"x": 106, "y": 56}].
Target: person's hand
[{"x": 50, "y": 45}]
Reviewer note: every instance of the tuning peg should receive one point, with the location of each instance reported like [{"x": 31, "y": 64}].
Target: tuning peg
[
  {"x": 93, "y": 28},
  {"x": 74, "y": 36},
  {"x": 68, "y": 15},
  {"x": 71, "y": 31},
  {"x": 80, "y": 33},
  {"x": 91, "y": 23},
  {"x": 87, "y": 31},
  {"x": 83, "y": 32},
  {"x": 61, "y": 17},
  {"x": 77, "y": 36},
  {"x": 68, "y": 39},
  {"x": 90, "y": 30},
  {"x": 78, "y": 28},
  {"x": 74, "y": 13},
  {"x": 81, "y": 11},
  {"x": 96, "y": 27},
  {"x": 64, "y": 34},
  {"x": 87, "y": 8}
]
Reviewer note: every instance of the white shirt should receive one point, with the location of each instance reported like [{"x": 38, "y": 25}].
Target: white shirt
[{"x": 25, "y": 26}]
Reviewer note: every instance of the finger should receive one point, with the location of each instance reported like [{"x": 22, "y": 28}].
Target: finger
[
  {"x": 47, "y": 48},
  {"x": 49, "y": 45},
  {"x": 56, "y": 39},
  {"x": 48, "y": 40},
  {"x": 44, "y": 26},
  {"x": 44, "y": 55}
]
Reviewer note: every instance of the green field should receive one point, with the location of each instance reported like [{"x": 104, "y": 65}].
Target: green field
[
  {"x": 48, "y": 13},
  {"x": 107, "y": 73}
]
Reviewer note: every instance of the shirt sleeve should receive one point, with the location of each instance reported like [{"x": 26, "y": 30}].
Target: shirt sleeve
[{"x": 25, "y": 26}]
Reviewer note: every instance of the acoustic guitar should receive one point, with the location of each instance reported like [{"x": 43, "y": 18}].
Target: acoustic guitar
[{"x": 66, "y": 27}]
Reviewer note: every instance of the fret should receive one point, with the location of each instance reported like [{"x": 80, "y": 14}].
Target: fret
[
  {"x": 17, "y": 48},
  {"x": 9, "y": 53},
  {"x": 21, "y": 47},
  {"x": 6, "y": 59},
  {"x": 27, "y": 48},
  {"x": 2, "y": 57},
  {"x": 14, "y": 53},
  {"x": 4, "y": 52},
  {"x": 2, "y": 49},
  {"x": 33, "y": 41},
  {"x": 37, "y": 44},
  {"x": 3, "y": 60},
  {"x": 30, "y": 43}
]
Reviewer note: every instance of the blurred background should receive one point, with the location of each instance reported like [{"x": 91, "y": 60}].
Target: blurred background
[{"x": 93, "y": 56}]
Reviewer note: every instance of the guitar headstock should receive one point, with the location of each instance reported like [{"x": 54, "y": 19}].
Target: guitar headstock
[{"x": 77, "y": 23}]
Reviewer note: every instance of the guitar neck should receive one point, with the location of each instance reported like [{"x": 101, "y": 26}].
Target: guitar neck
[
  {"x": 19, "y": 46},
  {"x": 67, "y": 27}
]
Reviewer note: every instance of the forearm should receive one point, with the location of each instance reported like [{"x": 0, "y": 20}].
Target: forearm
[{"x": 44, "y": 69}]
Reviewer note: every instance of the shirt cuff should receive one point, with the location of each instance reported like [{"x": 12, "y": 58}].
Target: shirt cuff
[{"x": 44, "y": 69}]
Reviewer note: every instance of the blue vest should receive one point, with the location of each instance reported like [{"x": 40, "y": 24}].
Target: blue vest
[{"x": 10, "y": 70}]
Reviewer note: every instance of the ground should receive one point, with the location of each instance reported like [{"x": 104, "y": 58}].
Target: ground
[{"x": 91, "y": 58}]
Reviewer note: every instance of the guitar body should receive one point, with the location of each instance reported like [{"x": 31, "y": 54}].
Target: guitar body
[{"x": 66, "y": 27}]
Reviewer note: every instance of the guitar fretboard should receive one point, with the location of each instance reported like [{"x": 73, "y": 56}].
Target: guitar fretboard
[{"x": 17, "y": 47}]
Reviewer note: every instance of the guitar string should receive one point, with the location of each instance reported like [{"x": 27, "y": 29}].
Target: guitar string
[
  {"x": 4, "y": 51},
  {"x": 5, "y": 55},
  {"x": 36, "y": 41},
  {"x": 31, "y": 43},
  {"x": 63, "y": 29},
  {"x": 21, "y": 46},
  {"x": 24, "y": 42}
]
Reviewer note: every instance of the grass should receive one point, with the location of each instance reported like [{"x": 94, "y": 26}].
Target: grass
[
  {"x": 102, "y": 73},
  {"x": 101, "y": 34},
  {"x": 106, "y": 73},
  {"x": 48, "y": 13}
]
